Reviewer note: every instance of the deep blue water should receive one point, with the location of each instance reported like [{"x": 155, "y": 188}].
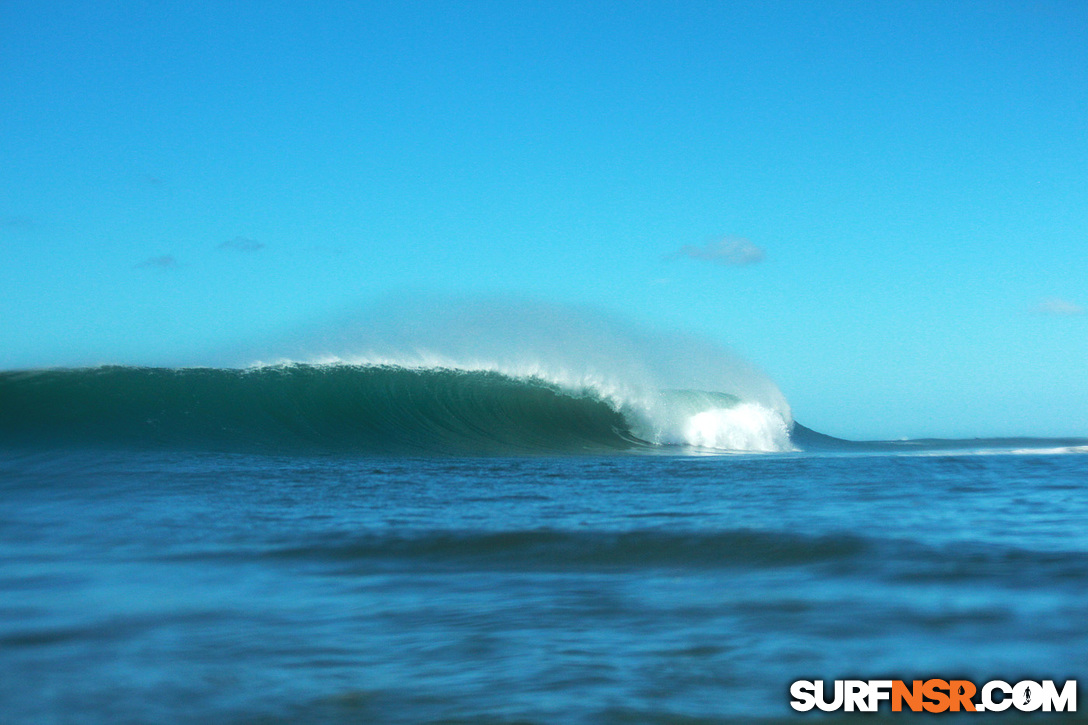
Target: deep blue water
[{"x": 189, "y": 586}]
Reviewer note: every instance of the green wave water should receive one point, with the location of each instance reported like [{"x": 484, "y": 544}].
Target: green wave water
[
  {"x": 388, "y": 409},
  {"x": 377, "y": 409}
]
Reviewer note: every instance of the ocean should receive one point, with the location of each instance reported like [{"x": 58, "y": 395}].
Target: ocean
[{"x": 377, "y": 543}]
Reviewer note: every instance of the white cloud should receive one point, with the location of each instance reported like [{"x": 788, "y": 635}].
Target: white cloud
[
  {"x": 163, "y": 262},
  {"x": 1058, "y": 307},
  {"x": 729, "y": 251}
]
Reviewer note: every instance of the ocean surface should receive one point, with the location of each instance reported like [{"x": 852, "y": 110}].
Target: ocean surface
[{"x": 381, "y": 544}]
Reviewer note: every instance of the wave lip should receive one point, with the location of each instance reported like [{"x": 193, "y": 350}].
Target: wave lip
[{"x": 373, "y": 408}]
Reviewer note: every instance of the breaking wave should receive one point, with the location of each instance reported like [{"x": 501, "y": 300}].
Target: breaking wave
[
  {"x": 373, "y": 408},
  {"x": 421, "y": 375}
]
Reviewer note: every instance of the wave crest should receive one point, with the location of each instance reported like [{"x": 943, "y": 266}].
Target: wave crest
[{"x": 373, "y": 408}]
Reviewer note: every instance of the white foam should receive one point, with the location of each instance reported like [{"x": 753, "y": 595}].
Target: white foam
[
  {"x": 1062, "y": 450},
  {"x": 746, "y": 427},
  {"x": 945, "y": 452}
]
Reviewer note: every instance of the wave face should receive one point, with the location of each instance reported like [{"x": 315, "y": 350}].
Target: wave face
[{"x": 372, "y": 408}]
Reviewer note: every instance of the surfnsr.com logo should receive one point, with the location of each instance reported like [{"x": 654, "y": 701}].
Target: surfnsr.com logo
[{"x": 934, "y": 696}]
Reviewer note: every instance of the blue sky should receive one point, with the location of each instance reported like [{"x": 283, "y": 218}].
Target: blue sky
[{"x": 883, "y": 205}]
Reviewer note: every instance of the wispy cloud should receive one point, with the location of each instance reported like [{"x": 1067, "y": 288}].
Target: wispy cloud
[
  {"x": 164, "y": 262},
  {"x": 1057, "y": 307},
  {"x": 730, "y": 251},
  {"x": 242, "y": 244},
  {"x": 16, "y": 222},
  {"x": 331, "y": 251}
]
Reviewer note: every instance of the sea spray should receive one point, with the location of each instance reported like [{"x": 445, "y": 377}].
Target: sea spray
[
  {"x": 423, "y": 376},
  {"x": 672, "y": 389}
]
